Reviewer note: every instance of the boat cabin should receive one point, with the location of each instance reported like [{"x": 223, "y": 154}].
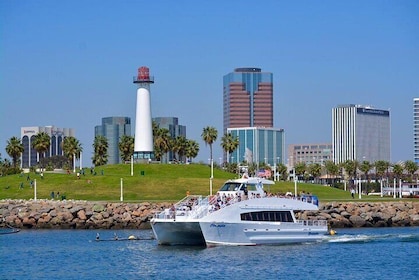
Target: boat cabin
[{"x": 245, "y": 188}]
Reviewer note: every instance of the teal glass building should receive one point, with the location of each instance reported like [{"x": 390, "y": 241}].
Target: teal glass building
[
  {"x": 113, "y": 128},
  {"x": 258, "y": 145}
]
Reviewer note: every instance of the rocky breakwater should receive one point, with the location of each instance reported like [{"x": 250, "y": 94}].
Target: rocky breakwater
[
  {"x": 366, "y": 214},
  {"x": 70, "y": 214},
  {"x": 67, "y": 214}
]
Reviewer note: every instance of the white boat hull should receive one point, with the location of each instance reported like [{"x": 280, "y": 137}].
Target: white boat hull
[
  {"x": 177, "y": 232},
  {"x": 257, "y": 233}
]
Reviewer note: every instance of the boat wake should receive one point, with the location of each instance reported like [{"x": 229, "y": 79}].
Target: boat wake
[{"x": 364, "y": 238}]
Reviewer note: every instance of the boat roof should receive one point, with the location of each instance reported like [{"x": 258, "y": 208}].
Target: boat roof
[{"x": 253, "y": 180}]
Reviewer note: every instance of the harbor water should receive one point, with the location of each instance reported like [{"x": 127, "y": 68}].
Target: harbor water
[{"x": 362, "y": 253}]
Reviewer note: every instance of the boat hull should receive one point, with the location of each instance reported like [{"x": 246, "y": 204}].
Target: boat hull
[
  {"x": 220, "y": 233},
  {"x": 177, "y": 232}
]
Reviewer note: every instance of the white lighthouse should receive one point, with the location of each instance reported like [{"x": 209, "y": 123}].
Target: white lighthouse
[{"x": 143, "y": 145}]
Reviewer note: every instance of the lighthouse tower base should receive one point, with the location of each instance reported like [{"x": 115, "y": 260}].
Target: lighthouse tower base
[{"x": 143, "y": 157}]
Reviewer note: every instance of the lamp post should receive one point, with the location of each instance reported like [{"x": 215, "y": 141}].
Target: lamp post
[
  {"x": 295, "y": 183},
  {"x": 132, "y": 165},
  {"x": 212, "y": 175},
  {"x": 122, "y": 190}
]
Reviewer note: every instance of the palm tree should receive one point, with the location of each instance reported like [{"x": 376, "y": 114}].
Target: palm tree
[
  {"x": 315, "y": 170},
  {"x": 331, "y": 169},
  {"x": 162, "y": 142},
  {"x": 351, "y": 167},
  {"x": 381, "y": 168},
  {"x": 100, "y": 147},
  {"x": 14, "y": 149},
  {"x": 192, "y": 149},
  {"x": 41, "y": 143},
  {"x": 398, "y": 170},
  {"x": 71, "y": 148},
  {"x": 282, "y": 170},
  {"x": 209, "y": 135},
  {"x": 180, "y": 147},
  {"x": 229, "y": 143},
  {"x": 365, "y": 167},
  {"x": 126, "y": 147},
  {"x": 411, "y": 167},
  {"x": 300, "y": 169}
]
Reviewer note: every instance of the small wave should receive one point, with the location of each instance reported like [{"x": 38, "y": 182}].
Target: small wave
[{"x": 363, "y": 238}]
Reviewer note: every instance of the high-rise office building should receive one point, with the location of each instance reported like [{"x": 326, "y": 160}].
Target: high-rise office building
[
  {"x": 360, "y": 133},
  {"x": 175, "y": 130},
  {"x": 258, "y": 145},
  {"x": 30, "y": 156},
  {"x": 113, "y": 128},
  {"x": 416, "y": 129},
  {"x": 247, "y": 98}
]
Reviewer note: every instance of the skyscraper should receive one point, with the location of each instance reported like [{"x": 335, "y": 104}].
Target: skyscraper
[
  {"x": 416, "y": 129},
  {"x": 247, "y": 98},
  {"x": 113, "y": 128},
  {"x": 360, "y": 133},
  {"x": 258, "y": 145}
]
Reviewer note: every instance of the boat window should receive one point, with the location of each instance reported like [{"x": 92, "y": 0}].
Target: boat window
[
  {"x": 267, "y": 216},
  {"x": 230, "y": 187},
  {"x": 251, "y": 187}
]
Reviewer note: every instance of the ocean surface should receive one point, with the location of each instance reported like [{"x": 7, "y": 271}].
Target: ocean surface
[{"x": 367, "y": 253}]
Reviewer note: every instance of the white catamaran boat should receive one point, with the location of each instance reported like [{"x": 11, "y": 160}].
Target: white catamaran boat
[
  {"x": 267, "y": 220},
  {"x": 240, "y": 214}
]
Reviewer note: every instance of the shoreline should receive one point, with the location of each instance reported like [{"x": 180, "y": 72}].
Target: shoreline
[{"x": 72, "y": 214}]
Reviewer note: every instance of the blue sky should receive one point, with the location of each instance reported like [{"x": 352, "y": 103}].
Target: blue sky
[{"x": 71, "y": 63}]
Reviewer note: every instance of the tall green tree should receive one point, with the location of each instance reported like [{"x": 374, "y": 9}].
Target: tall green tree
[
  {"x": 162, "y": 142},
  {"x": 365, "y": 167},
  {"x": 180, "y": 147},
  {"x": 381, "y": 167},
  {"x": 192, "y": 149},
  {"x": 315, "y": 170},
  {"x": 282, "y": 170},
  {"x": 14, "y": 149},
  {"x": 71, "y": 148},
  {"x": 41, "y": 143},
  {"x": 300, "y": 168},
  {"x": 398, "y": 170},
  {"x": 126, "y": 147},
  {"x": 229, "y": 143},
  {"x": 209, "y": 135},
  {"x": 411, "y": 167},
  {"x": 331, "y": 169},
  {"x": 100, "y": 150}
]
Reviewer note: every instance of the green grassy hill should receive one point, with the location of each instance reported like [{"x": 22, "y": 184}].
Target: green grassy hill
[{"x": 150, "y": 182}]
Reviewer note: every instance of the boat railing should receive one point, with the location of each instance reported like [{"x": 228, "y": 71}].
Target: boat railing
[
  {"x": 190, "y": 207},
  {"x": 313, "y": 223}
]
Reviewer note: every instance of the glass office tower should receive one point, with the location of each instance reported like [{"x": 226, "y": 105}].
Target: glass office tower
[
  {"x": 258, "y": 145},
  {"x": 247, "y": 98},
  {"x": 360, "y": 133}
]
